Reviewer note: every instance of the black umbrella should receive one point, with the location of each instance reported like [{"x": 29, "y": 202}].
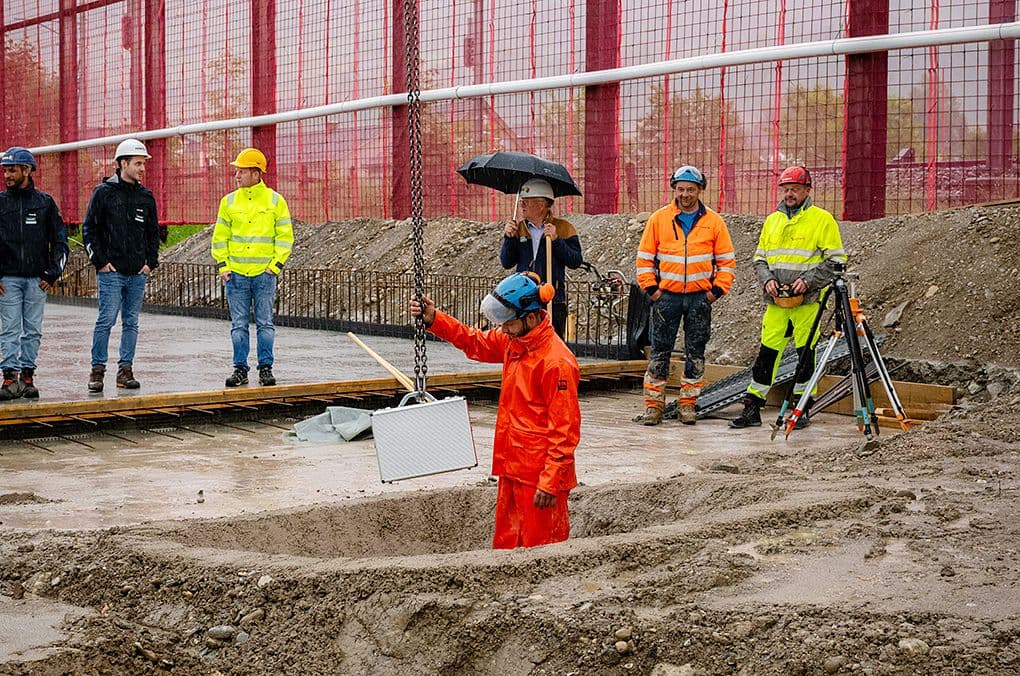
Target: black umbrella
[{"x": 508, "y": 171}]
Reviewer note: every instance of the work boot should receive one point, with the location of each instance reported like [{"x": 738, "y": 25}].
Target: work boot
[
  {"x": 126, "y": 378},
  {"x": 96, "y": 378},
  {"x": 28, "y": 389},
  {"x": 688, "y": 415},
  {"x": 238, "y": 377},
  {"x": 652, "y": 416},
  {"x": 11, "y": 388},
  {"x": 266, "y": 376},
  {"x": 750, "y": 416}
]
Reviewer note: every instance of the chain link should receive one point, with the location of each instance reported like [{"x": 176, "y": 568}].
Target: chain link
[{"x": 415, "y": 173}]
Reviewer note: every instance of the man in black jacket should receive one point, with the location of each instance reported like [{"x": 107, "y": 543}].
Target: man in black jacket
[
  {"x": 33, "y": 252},
  {"x": 121, "y": 234}
]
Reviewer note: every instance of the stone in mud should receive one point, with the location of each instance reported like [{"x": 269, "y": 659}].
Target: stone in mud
[
  {"x": 833, "y": 664},
  {"x": 265, "y": 581},
  {"x": 223, "y": 632},
  {"x": 913, "y": 646},
  {"x": 624, "y": 633},
  {"x": 622, "y": 647},
  {"x": 254, "y": 616}
]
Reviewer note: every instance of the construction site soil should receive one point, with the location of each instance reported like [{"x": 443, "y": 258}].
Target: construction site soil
[{"x": 897, "y": 556}]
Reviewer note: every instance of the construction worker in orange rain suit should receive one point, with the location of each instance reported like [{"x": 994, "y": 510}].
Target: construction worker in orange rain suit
[
  {"x": 799, "y": 253},
  {"x": 685, "y": 262},
  {"x": 538, "y": 423}
]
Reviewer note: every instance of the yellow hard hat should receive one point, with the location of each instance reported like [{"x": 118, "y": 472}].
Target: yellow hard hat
[{"x": 250, "y": 157}]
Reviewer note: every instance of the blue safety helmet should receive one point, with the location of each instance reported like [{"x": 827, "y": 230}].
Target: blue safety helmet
[
  {"x": 514, "y": 297},
  {"x": 689, "y": 174},
  {"x": 17, "y": 155}
]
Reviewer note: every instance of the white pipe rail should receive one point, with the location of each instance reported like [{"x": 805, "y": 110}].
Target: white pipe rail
[{"x": 821, "y": 48}]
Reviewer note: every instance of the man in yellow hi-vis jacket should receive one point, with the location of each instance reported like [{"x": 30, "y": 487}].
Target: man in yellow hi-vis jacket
[
  {"x": 799, "y": 253},
  {"x": 252, "y": 240}
]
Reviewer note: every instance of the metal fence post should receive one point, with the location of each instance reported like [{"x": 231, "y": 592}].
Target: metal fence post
[
  {"x": 865, "y": 134},
  {"x": 263, "y": 79},
  {"x": 602, "y": 110}
]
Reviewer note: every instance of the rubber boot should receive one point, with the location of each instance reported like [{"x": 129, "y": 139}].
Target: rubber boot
[
  {"x": 652, "y": 416},
  {"x": 28, "y": 388},
  {"x": 126, "y": 378},
  {"x": 11, "y": 388},
  {"x": 751, "y": 415},
  {"x": 687, "y": 413},
  {"x": 96, "y": 378}
]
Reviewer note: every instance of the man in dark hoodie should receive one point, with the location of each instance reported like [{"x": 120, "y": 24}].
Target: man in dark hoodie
[
  {"x": 33, "y": 252},
  {"x": 121, "y": 234}
]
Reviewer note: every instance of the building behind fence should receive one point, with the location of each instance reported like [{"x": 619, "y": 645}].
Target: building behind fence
[{"x": 896, "y": 132}]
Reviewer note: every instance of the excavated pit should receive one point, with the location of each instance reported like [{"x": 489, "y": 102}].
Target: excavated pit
[{"x": 459, "y": 520}]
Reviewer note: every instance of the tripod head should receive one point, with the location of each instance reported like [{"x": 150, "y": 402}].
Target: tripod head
[{"x": 845, "y": 280}]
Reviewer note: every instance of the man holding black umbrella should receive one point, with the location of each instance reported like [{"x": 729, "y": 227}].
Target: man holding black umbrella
[{"x": 526, "y": 244}]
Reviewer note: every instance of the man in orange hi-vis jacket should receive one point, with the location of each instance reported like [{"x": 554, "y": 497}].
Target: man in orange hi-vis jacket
[
  {"x": 538, "y": 423},
  {"x": 685, "y": 262}
]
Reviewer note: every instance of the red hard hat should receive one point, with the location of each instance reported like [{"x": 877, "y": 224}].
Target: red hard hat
[{"x": 795, "y": 175}]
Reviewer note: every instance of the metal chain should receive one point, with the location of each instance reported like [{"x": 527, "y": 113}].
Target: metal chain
[{"x": 415, "y": 173}]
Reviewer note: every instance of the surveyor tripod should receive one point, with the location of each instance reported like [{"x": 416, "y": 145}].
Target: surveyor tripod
[{"x": 850, "y": 323}]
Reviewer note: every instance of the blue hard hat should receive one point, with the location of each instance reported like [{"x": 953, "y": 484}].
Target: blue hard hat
[
  {"x": 689, "y": 174},
  {"x": 514, "y": 297},
  {"x": 17, "y": 155}
]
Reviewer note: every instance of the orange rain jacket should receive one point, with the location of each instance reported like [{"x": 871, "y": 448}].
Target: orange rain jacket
[
  {"x": 538, "y": 423},
  {"x": 702, "y": 261}
]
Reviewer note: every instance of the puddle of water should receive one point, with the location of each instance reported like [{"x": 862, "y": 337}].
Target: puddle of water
[{"x": 30, "y": 628}]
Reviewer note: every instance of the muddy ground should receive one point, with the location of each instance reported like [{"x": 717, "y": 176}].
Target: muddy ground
[{"x": 898, "y": 556}]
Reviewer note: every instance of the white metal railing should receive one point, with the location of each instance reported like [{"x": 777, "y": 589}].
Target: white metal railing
[{"x": 820, "y": 48}]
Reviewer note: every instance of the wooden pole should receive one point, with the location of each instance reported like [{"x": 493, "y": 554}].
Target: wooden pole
[
  {"x": 548, "y": 268},
  {"x": 394, "y": 371}
]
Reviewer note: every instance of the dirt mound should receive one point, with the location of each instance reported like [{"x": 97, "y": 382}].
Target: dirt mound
[{"x": 955, "y": 273}]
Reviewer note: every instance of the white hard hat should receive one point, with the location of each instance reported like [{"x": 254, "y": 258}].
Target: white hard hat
[
  {"x": 537, "y": 187},
  {"x": 131, "y": 148}
]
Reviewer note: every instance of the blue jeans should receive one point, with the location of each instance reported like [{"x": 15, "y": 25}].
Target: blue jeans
[
  {"x": 244, "y": 293},
  {"x": 118, "y": 293},
  {"x": 21, "y": 315}
]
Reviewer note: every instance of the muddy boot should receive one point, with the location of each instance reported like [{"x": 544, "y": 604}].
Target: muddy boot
[
  {"x": 126, "y": 378},
  {"x": 652, "y": 416},
  {"x": 28, "y": 388},
  {"x": 751, "y": 415},
  {"x": 238, "y": 377},
  {"x": 687, "y": 413},
  {"x": 11, "y": 388},
  {"x": 96, "y": 378},
  {"x": 266, "y": 377}
]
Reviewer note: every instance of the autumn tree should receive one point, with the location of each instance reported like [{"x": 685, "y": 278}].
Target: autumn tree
[
  {"x": 811, "y": 126},
  {"x": 29, "y": 86}
]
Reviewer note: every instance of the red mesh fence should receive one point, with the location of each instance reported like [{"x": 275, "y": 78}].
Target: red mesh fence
[{"x": 951, "y": 126}]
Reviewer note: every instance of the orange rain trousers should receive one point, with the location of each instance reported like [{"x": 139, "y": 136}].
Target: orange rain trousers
[{"x": 520, "y": 524}]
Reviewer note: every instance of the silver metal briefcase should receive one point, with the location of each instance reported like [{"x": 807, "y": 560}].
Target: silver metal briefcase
[{"x": 419, "y": 439}]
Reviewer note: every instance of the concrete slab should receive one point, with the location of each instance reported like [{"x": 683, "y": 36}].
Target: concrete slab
[{"x": 185, "y": 354}]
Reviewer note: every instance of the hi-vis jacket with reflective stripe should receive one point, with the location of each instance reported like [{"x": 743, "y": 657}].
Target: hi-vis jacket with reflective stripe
[
  {"x": 253, "y": 232},
  {"x": 808, "y": 246},
  {"x": 701, "y": 261}
]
